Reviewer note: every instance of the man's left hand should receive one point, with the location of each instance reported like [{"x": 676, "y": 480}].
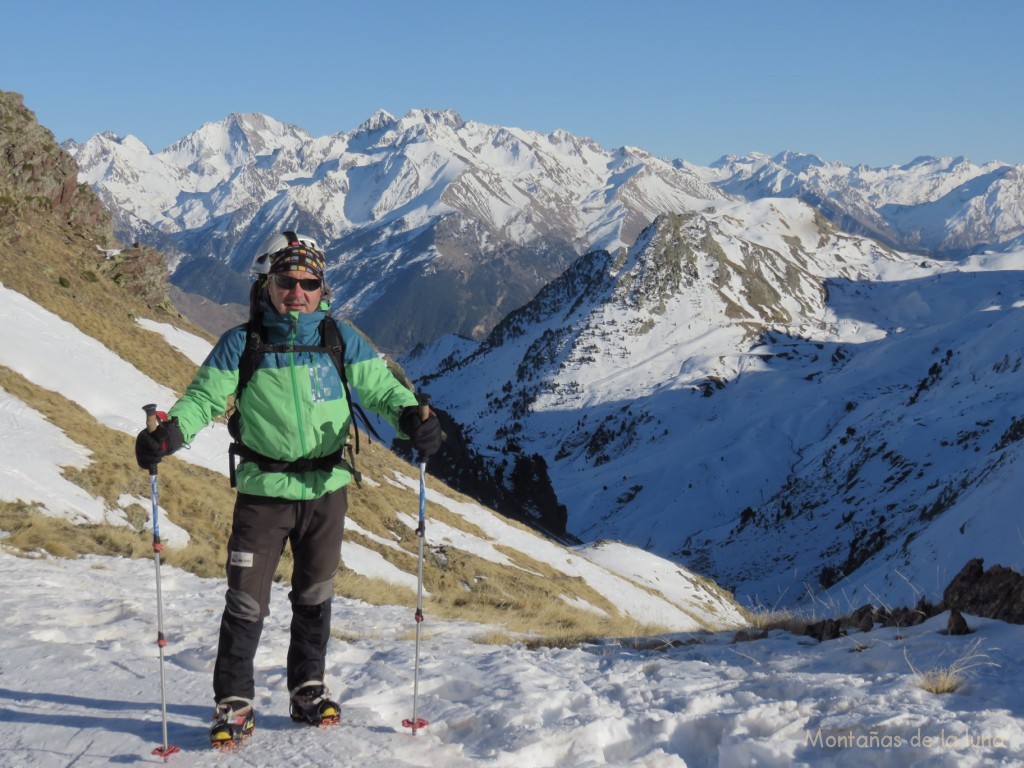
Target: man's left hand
[{"x": 425, "y": 435}]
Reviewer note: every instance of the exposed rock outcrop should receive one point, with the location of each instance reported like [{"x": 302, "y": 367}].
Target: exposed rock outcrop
[
  {"x": 997, "y": 593},
  {"x": 36, "y": 173},
  {"x": 61, "y": 225}
]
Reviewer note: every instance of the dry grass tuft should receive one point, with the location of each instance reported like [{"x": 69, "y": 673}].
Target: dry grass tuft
[
  {"x": 598, "y": 630},
  {"x": 30, "y": 531},
  {"x": 768, "y": 619},
  {"x": 951, "y": 677}
]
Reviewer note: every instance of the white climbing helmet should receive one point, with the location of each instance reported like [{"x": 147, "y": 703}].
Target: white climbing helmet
[{"x": 277, "y": 243}]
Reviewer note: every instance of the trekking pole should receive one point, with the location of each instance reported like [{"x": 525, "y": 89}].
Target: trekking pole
[
  {"x": 165, "y": 751},
  {"x": 415, "y": 723}
]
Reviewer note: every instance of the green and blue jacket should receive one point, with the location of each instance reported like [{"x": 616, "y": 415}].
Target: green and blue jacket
[{"x": 294, "y": 406}]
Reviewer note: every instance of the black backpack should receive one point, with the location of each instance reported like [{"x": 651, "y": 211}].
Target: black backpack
[{"x": 255, "y": 347}]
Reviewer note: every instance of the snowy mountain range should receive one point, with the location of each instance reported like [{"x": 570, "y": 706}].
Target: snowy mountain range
[
  {"x": 431, "y": 224},
  {"x": 946, "y": 207},
  {"x": 435, "y": 224},
  {"x": 795, "y": 376}
]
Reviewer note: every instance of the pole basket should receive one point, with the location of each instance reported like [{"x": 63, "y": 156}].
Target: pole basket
[
  {"x": 166, "y": 752},
  {"x": 416, "y": 724}
]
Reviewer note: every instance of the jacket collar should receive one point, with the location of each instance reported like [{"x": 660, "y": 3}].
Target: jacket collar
[{"x": 279, "y": 327}]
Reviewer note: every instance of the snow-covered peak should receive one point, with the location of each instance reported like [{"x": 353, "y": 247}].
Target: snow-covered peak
[
  {"x": 446, "y": 117},
  {"x": 216, "y": 149},
  {"x": 378, "y": 121}
]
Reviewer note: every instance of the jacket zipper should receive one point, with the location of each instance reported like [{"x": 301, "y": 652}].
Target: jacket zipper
[{"x": 295, "y": 395}]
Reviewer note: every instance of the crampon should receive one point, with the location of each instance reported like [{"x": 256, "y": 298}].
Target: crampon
[
  {"x": 233, "y": 723},
  {"x": 311, "y": 704}
]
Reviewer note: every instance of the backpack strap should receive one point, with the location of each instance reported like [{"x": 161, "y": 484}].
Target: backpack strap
[
  {"x": 255, "y": 341},
  {"x": 255, "y": 348},
  {"x": 330, "y": 336}
]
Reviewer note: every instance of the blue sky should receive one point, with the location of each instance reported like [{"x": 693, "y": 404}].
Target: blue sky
[{"x": 866, "y": 81}]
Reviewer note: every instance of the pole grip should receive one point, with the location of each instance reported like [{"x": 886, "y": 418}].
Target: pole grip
[
  {"x": 424, "y": 400},
  {"x": 152, "y": 422}
]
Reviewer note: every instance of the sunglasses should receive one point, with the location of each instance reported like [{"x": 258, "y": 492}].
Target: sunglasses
[{"x": 286, "y": 283}]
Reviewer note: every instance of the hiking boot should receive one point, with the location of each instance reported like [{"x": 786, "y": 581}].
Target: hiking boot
[
  {"x": 311, "y": 704},
  {"x": 233, "y": 721}
]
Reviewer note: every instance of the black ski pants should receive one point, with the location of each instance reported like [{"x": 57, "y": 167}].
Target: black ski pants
[{"x": 259, "y": 530}]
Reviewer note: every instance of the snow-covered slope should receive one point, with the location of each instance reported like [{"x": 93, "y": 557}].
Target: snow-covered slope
[
  {"x": 783, "y": 407},
  {"x": 81, "y": 687}
]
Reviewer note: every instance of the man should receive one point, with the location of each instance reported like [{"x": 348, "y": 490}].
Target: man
[{"x": 291, "y": 427}]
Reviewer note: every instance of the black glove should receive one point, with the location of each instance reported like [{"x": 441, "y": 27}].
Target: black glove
[
  {"x": 425, "y": 435},
  {"x": 150, "y": 447}
]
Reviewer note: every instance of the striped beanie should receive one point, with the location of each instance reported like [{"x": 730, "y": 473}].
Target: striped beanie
[{"x": 297, "y": 256}]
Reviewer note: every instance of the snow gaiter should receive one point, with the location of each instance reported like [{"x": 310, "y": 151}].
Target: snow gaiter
[
  {"x": 233, "y": 672},
  {"x": 307, "y": 652}
]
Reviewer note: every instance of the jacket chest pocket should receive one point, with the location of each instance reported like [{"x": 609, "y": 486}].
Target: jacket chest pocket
[{"x": 324, "y": 383}]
